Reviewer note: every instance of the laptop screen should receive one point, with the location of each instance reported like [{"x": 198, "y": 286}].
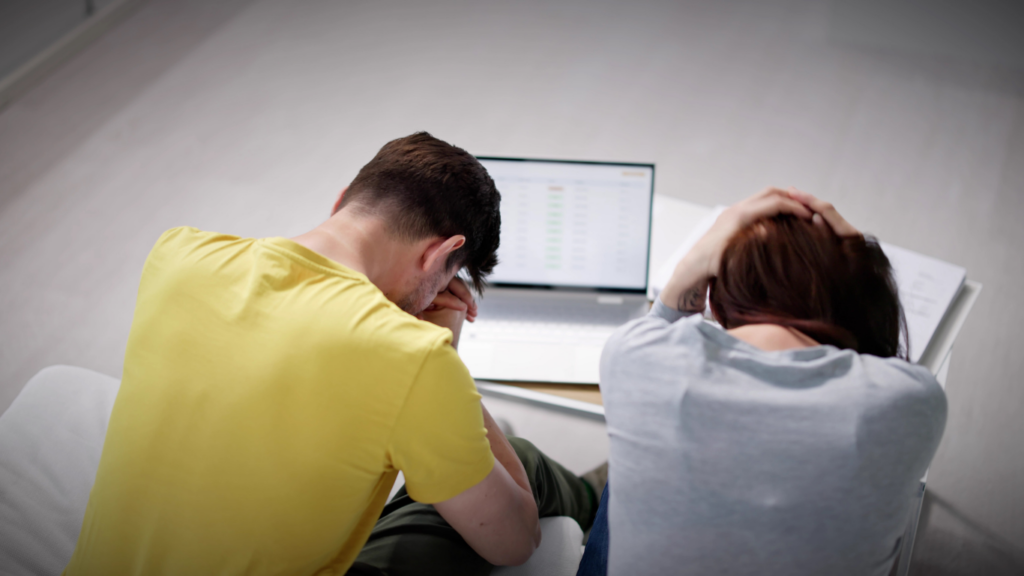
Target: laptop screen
[{"x": 573, "y": 224}]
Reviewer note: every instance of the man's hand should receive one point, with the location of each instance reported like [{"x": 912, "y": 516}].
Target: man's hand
[{"x": 450, "y": 308}]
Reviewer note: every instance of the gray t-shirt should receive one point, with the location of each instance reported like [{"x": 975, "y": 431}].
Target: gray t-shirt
[{"x": 729, "y": 460}]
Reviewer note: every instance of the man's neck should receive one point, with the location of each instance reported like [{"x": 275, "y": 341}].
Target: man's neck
[{"x": 361, "y": 243}]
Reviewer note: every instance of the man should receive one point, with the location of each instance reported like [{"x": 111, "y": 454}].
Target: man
[{"x": 273, "y": 389}]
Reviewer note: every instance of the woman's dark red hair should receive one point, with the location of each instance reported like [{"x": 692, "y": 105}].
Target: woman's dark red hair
[{"x": 837, "y": 290}]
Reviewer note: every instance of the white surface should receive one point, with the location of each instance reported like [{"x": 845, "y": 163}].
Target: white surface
[
  {"x": 551, "y": 400},
  {"x": 927, "y": 288},
  {"x": 707, "y": 220},
  {"x": 568, "y": 224},
  {"x": 936, "y": 355},
  {"x": 524, "y": 352},
  {"x": 50, "y": 443},
  {"x": 530, "y": 335},
  {"x": 673, "y": 220},
  {"x": 521, "y": 352},
  {"x": 542, "y": 332},
  {"x": 559, "y": 552}
]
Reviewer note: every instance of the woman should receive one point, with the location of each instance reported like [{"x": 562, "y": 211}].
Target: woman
[{"x": 790, "y": 440}]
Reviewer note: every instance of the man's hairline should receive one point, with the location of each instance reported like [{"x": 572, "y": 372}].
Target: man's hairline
[{"x": 364, "y": 210}]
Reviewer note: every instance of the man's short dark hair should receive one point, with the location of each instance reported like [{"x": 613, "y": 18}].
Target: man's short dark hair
[{"x": 423, "y": 187}]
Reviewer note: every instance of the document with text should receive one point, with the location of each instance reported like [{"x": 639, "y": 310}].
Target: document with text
[{"x": 927, "y": 288}]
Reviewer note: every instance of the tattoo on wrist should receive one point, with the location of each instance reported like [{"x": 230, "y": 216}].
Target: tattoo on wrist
[{"x": 693, "y": 300}]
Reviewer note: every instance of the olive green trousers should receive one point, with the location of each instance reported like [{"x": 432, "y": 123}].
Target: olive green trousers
[{"x": 413, "y": 539}]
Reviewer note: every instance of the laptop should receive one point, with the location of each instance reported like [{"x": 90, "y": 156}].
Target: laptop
[{"x": 573, "y": 259}]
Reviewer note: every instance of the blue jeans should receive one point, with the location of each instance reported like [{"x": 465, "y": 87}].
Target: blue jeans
[{"x": 595, "y": 556}]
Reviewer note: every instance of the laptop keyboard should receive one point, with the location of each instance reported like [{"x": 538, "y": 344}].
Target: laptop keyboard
[
  {"x": 534, "y": 310},
  {"x": 539, "y": 320},
  {"x": 542, "y": 332}
]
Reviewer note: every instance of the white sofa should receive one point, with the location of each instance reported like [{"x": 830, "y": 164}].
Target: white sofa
[{"x": 50, "y": 443}]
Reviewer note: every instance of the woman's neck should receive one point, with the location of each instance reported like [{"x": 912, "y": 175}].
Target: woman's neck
[{"x": 772, "y": 337}]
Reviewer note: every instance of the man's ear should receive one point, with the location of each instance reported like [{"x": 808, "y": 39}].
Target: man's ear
[
  {"x": 337, "y": 204},
  {"x": 440, "y": 249}
]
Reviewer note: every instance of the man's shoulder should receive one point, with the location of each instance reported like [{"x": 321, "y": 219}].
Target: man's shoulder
[
  {"x": 353, "y": 313},
  {"x": 386, "y": 322},
  {"x": 191, "y": 237},
  {"x": 187, "y": 245}
]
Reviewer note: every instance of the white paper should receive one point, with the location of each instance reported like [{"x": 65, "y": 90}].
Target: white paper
[
  {"x": 927, "y": 287},
  {"x": 661, "y": 277}
]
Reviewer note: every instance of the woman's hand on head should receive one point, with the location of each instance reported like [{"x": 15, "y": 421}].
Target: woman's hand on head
[
  {"x": 707, "y": 253},
  {"x": 687, "y": 289},
  {"x": 824, "y": 213}
]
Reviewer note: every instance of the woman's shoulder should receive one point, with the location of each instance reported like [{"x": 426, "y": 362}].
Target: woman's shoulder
[
  {"x": 652, "y": 332},
  {"x": 651, "y": 351},
  {"x": 895, "y": 377}
]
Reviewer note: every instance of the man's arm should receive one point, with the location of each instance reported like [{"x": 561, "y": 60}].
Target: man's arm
[{"x": 498, "y": 516}]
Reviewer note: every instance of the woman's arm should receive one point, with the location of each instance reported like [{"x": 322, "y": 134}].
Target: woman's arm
[{"x": 687, "y": 289}]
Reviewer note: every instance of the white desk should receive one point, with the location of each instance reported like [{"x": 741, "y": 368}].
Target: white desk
[{"x": 673, "y": 221}]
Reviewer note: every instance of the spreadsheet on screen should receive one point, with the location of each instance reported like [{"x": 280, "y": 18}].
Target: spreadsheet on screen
[{"x": 573, "y": 224}]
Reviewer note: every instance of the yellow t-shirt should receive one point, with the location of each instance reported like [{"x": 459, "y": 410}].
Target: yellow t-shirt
[{"x": 270, "y": 395}]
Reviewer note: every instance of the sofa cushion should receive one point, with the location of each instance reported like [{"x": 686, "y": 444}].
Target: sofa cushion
[{"x": 50, "y": 443}]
